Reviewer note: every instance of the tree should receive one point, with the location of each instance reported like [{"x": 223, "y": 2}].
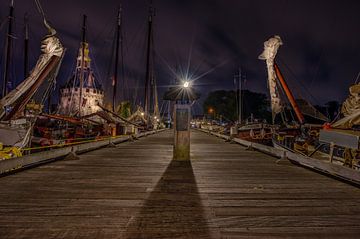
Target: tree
[
  {"x": 223, "y": 103},
  {"x": 124, "y": 109},
  {"x": 257, "y": 104}
]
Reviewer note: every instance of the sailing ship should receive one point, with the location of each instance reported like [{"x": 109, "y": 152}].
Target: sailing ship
[
  {"x": 253, "y": 130},
  {"x": 257, "y": 132},
  {"x": 15, "y": 126},
  {"x": 81, "y": 112},
  {"x": 328, "y": 147},
  {"x": 81, "y": 96},
  {"x": 151, "y": 105},
  {"x": 82, "y": 93},
  {"x": 339, "y": 141},
  {"x": 293, "y": 135}
]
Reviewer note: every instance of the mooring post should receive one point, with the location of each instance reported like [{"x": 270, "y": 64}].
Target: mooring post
[
  {"x": 183, "y": 95},
  {"x": 72, "y": 155},
  {"x": 181, "y": 131},
  {"x": 111, "y": 143}
]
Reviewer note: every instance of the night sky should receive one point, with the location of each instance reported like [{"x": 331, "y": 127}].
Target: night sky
[{"x": 321, "y": 41}]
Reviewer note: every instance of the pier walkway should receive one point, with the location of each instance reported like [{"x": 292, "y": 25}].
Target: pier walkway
[{"x": 136, "y": 190}]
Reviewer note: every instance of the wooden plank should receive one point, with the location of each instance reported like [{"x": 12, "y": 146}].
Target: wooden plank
[
  {"x": 31, "y": 160},
  {"x": 328, "y": 167},
  {"x": 136, "y": 190}
]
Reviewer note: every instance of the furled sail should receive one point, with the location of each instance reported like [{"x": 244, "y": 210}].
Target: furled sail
[
  {"x": 52, "y": 52},
  {"x": 138, "y": 116},
  {"x": 350, "y": 109},
  {"x": 17, "y": 132},
  {"x": 270, "y": 50}
]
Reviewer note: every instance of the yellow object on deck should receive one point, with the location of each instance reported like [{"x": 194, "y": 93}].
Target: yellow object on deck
[{"x": 9, "y": 152}]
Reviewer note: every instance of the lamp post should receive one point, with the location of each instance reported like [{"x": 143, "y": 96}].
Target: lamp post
[{"x": 183, "y": 95}]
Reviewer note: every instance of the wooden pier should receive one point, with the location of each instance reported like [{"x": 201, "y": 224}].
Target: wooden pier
[{"x": 136, "y": 190}]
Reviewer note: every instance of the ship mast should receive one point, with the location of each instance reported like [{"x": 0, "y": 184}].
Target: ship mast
[
  {"x": 289, "y": 95},
  {"x": 156, "y": 102},
  {"x": 8, "y": 49},
  {"x": 26, "y": 46},
  {"x": 148, "y": 55},
  {"x": 83, "y": 45},
  {"x": 238, "y": 82},
  {"x": 118, "y": 35}
]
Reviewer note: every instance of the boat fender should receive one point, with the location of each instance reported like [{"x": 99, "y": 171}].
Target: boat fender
[
  {"x": 262, "y": 133},
  {"x": 252, "y": 133}
]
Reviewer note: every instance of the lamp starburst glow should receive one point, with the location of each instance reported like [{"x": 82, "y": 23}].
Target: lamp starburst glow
[{"x": 186, "y": 84}]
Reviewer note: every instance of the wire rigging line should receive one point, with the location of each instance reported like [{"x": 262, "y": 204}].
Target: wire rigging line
[
  {"x": 357, "y": 78},
  {"x": 129, "y": 73},
  {"x": 317, "y": 69},
  {"x": 298, "y": 81},
  {"x": 101, "y": 34},
  {"x": 2, "y": 22},
  {"x": 109, "y": 75}
]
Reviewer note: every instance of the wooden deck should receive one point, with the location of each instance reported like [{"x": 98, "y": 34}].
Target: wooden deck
[{"x": 137, "y": 191}]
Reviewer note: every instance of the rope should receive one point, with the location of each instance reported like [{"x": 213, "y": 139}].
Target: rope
[
  {"x": 357, "y": 78},
  {"x": 32, "y": 51},
  {"x": 292, "y": 115},
  {"x": 73, "y": 143},
  {"x": 283, "y": 118},
  {"x": 40, "y": 9}
]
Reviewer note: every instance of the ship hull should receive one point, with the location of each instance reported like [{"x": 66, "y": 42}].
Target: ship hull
[
  {"x": 257, "y": 133},
  {"x": 15, "y": 133}
]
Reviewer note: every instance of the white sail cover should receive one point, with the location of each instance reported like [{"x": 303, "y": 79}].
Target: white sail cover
[
  {"x": 271, "y": 47},
  {"x": 138, "y": 116},
  {"x": 50, "y": 46},
  {"x": 350, "y": 109},
  {"x": 15, "y": 134},
  {"x": 18, "y": 132}
]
